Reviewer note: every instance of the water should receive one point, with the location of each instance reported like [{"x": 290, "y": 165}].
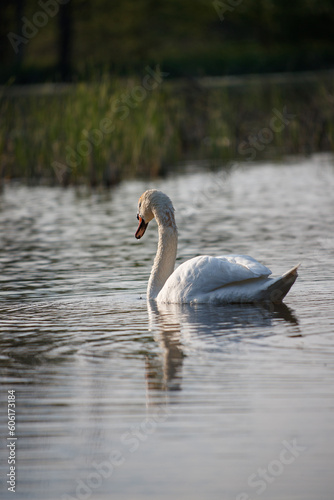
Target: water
[{"x": 118, "y": 400}]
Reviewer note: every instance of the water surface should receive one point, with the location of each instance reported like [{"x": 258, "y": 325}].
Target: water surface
[{"x": 115, "y": 399}]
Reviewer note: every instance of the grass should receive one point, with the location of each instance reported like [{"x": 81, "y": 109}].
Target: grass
[{"x": 104, "y": 132}]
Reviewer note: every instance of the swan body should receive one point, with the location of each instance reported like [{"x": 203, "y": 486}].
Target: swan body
[{"x": 203, "y": 279}]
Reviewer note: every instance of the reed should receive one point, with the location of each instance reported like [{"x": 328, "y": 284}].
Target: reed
[{"x": 104, "y": 132}]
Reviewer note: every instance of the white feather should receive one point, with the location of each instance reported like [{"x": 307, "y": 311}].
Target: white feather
[{"x": 203, "y": 279}]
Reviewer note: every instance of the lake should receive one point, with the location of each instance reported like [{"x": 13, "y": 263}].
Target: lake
[{"x": 118, "y": 399}]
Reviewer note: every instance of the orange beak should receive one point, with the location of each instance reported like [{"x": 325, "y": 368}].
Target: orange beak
[{"x": 141, "y": 228}]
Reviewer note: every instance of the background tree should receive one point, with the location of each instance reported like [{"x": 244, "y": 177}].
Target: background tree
[{"x": 186, "y": 37}]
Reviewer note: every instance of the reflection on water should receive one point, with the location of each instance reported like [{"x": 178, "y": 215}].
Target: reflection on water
[
  {"x": 207, "y": 327},
  {"x": 120, "y": 398}
]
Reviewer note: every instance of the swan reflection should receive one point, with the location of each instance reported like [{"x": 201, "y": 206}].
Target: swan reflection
[{"x": 180, "y": 328}]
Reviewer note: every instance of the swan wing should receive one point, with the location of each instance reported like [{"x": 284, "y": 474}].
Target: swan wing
[{"x": 201, "y": 277}]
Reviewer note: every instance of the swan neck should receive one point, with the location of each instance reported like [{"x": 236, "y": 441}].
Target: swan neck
[{"x": 164, "y": 261}]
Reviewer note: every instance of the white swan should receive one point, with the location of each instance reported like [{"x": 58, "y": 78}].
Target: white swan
[{"x": 224, "y": 279}]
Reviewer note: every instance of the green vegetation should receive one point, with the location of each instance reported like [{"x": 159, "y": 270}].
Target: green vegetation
[
  {"x": 57, "y": 40},
  {"x": 116, "y": 118},
  {"x": 117, "y": 128}
]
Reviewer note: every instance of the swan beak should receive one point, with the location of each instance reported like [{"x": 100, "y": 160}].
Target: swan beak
[{"x": 141, "y": 228}]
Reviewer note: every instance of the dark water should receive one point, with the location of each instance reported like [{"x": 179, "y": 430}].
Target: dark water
[{"x": 118, "y": 400}]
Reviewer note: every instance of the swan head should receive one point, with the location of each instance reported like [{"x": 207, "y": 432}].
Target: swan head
[{"x": 153, "y": 204}]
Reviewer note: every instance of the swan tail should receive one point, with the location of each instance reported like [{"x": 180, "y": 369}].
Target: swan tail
[{"x": 277, "y": 290}]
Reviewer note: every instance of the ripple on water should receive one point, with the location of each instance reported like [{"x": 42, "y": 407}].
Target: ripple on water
[{"x": 92, "y": 363}]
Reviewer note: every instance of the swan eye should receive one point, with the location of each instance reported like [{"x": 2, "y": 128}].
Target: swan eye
[{"x": 137, "y": 216}]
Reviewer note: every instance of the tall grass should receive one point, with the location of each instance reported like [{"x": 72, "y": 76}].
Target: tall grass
[{"x": 65, "y": 135}]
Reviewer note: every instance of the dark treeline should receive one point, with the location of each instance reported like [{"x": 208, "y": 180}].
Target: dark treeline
[{"x": 76, "y": 39}]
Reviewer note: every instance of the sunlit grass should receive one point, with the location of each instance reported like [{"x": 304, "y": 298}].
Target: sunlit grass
[{"x": 101, "y": 133}]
